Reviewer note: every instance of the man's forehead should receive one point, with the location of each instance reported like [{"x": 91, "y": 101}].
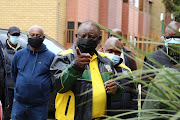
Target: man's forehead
[
  {"x": 116, "y": 31},
  {"x": 173, "y": 28},
  {"x": 36, "y": 30},
  {"x": 88, "y": 28},
  {"x": 112, "y": 44},
  {"x": 171, "y": 32}
]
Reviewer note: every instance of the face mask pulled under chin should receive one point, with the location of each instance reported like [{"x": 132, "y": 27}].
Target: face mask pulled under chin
[
  {"x": 87, "y": 45},
  {"x": 35, "y": 42},
  {"x": 115, "y": 58}
]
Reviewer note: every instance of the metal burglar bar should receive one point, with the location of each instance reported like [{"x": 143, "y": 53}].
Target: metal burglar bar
[{"x": 70, "y": 36}]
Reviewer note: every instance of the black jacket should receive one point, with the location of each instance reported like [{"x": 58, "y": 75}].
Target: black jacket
[
  {"x": 3, "y": 84},
  {"x": 127, "y": 101},
  {"x": 160, "y": 57},
  {"x": 67, "y": 76},
  {"x": 9, "y": 53},
  {"x": 129, "y": 62}
]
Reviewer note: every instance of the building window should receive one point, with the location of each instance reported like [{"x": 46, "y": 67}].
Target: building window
[
  {"x": 125, "y": 1},
  {"x": 70, "y": 25},
  {"x": 70, "y": 32},
  {"x": 135, "y": 39},
  {"x": 132, "y": 2},
  {"x": 136, "y": 4},
  {"x": 131, "y": 40},
  {"x": 141, "y": 5}
]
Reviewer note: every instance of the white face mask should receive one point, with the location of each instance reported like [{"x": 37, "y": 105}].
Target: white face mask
[
  {"x": 173, "y": 48},
  {"x": 115, "y": 58},
  {"x": 14, "y": 39},
  {"x": 172, "y": 41}
]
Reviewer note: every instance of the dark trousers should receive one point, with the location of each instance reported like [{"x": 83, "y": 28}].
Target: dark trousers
[
  {"x": 23, "y": 112},
  {"x": 7, "y": 115}
]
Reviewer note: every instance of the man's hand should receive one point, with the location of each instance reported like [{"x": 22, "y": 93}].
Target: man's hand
[
  {"x": 82, "y": 59},
  {"x": 111, "y": 86}
]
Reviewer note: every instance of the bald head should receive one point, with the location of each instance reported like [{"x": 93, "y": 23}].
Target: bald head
[
  {"x": 36, "y": 31},
  {"x": 89, "y": 26},
  {"x": 117, "y": 31},
  {"x": 111, "y": 46},
  {"x": 37, "y": 28},
  {"x": 173, "y": 28}
]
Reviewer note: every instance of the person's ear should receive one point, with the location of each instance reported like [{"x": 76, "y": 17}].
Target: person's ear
[
  {"x": 44, "y": 37},
  {"x": 76, "y": 38},
  {"x": 8, "y": 35},
  {"x": 100, "y": 37},
  {"x": 99, "y": 40},
  {"x": 76, "y": 35},
  {"x": 27, "y": 36}
]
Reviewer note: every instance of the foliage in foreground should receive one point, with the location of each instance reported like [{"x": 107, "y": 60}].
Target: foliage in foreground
[{"x": 163, "y": 97}]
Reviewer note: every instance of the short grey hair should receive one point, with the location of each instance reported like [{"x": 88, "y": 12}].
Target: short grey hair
[{"x": 36, "y": 26}]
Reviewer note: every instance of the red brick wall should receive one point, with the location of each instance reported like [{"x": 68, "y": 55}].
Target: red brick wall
[
  {"x": 115, "y": 14},
  {"x": 141, "y": 16},
  {"x": 146, "y": 18},
  {"x": 133, "y": 20},
  {"x": 82, "y": 10},
  {"x": 103, "y": 12},
  {"x": 125, "y": 18},
  {"x": 71, "y": 10},
  {"x": 88, "y": 10}
]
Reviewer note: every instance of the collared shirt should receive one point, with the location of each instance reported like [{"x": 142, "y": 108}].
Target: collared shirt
[
  {"x": 15, "y": 49},
  {"x": 99, "y": 92}
]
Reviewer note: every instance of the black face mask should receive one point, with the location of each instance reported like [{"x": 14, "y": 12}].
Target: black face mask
[
  {"x": 35, "y": 42},
  {"x": 87, "y": 45}
]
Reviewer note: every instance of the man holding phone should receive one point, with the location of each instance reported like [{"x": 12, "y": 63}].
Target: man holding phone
[{"x": 82, "y": 77}]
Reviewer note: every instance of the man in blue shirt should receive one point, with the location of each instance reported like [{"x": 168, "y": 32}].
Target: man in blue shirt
[{"x": 31, "y": 73}]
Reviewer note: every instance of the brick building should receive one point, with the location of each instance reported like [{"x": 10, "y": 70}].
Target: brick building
[
  {"x": 61, "y": 18},
  {"x": 50, "y": 14},
  {"x": 77, "y": 12},
  {"x": 158, "y": 8},
  {"x": 131, "y": 16}
]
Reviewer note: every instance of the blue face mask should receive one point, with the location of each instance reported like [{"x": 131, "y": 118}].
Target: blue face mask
[
  {"x": 14, "y": 39},
  {"x": 173, "y": 49},
  {"x": 115, "y": 58},
  {"x": 172, "y": 41}
]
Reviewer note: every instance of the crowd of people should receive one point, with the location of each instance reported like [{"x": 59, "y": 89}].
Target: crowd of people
[{"x": 87, "y": 81}]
